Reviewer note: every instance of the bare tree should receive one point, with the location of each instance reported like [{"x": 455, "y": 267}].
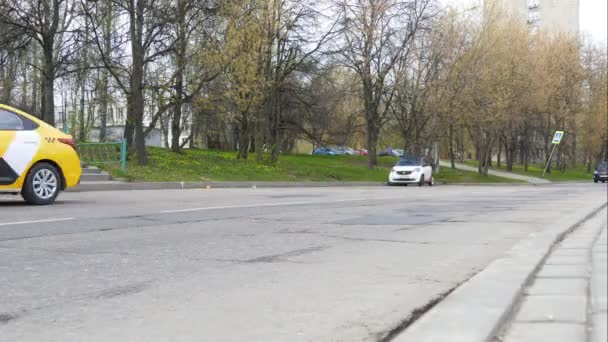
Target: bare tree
[
  {"x": 191, "y": 33},
  {"x": 375, "y": 35},
  {"x": 147, "y": 24},
  {"x": 415, "y": 100},
  {"x": 48, "y": 23},
  {"x": 293, "y": 42}
]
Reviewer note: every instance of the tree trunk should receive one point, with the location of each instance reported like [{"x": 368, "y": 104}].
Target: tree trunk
[
  {"x": 488, "y": 162},
  {"x": 259, "y": 138},
  {"x": 136, "y": 113},
  {"x": 24, "y": 81},
  {"x": 510, "y": 147},
  {"x": 180, "y": 57},
  {"x": 140, "y": 140},
  {"x": 275, "y": 126},
  {"x": 105, "y": 79},
  {"x": 372, "y": 142},
  {"x": 559, "y": 156},
  {"x": 547, "y": 143},
  {"x": 103, "y": 108},
  {"x": 165, "y": 130},
  {"x": 9, "y": 74},
  {"x": 526, "y": 155},
  {"x": 35, "y": 83},
  {"x": 243, "y": 151},
  {"x": 451, "y": 146},
  {"x": 81, "y": 114},
  {"x": 48, "y": 100},
  {"x": 485, "y": 157},
  {"x": 176, "y": 129},
  {"x": 522, "y": 147},
  {"x": 129, "y": 132},
  {"x": 499, "y": 155},
  {"x": 462, "y": 157}
]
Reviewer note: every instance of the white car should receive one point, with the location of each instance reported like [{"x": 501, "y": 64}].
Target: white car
[{"x": 412, "y": 170}]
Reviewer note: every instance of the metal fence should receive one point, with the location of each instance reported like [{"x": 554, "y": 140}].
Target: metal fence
[{"x": 96, "y": 153}]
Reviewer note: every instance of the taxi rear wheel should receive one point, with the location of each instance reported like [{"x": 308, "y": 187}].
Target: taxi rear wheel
[{"x": 42, "y": 184}]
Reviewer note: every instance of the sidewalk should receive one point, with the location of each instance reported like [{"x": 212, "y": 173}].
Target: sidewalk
[
  {"x": 567, "y": 297},
  {"x": 566, "y": 302},
  {"x": 533, "y": 180}
]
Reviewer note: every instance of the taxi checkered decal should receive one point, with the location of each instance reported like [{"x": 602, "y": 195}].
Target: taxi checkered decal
[{"x": 20, "y": 152}]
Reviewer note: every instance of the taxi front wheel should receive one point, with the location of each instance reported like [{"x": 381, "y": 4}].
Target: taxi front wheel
[{"x": 42, "y": 185}]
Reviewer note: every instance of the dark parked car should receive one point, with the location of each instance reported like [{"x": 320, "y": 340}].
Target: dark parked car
[{"x": 601, "y": 173}]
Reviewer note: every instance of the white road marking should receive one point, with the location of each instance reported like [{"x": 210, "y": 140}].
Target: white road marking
[
  {"x": 273, "y": 205},
  {"x": 37, "y": 221},
  {"x": 236, "y": 207}
]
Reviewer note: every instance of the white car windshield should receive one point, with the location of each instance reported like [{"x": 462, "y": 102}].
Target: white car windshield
[{"x": 409, "y": 161}]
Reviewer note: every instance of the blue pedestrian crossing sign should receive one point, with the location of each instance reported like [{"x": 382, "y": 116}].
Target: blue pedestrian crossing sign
[{"x": 557, "y": 138}]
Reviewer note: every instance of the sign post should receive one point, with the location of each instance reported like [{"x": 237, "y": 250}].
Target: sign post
[{"x": 557, "y": 138}]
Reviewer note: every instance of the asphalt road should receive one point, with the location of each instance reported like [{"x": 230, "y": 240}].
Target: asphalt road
[{"x": 326, "y": 264}]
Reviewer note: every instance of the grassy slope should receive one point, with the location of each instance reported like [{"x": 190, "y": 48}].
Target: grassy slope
[
  {"x": 571, "y": 174},
  {"x": 204, "y": 165}
]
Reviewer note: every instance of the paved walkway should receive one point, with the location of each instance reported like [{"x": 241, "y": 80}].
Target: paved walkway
[
  {"x": 566, "y": 301},
  {"x": 503, "y": 174}
]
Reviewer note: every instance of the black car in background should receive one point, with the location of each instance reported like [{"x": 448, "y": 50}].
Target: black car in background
[{"x": 601, "y": 173}]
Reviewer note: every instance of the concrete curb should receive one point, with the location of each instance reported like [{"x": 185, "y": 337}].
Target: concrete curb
[
  {"x": 117, "y": 186},
  {"x": 124, "y": 186},
  {"x": 476, "y": 310}
]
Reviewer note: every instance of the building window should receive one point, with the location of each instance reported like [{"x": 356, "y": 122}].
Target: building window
[
  {"x": 533, "y": 30},
  {"x": 533, "y": 17},
  {"x": 533, "y": 4}
]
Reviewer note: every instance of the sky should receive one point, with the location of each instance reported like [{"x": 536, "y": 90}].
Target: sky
[{"x": 593, "y": 17}]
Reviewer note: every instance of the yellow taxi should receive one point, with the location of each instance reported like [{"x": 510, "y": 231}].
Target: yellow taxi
[{"x": 36, "y": 159}]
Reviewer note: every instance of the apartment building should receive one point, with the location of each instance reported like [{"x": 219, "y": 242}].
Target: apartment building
[{"x": 547, "y": 15}]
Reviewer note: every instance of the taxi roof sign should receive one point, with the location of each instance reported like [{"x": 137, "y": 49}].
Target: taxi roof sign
[{"x": 557, "y": 138}]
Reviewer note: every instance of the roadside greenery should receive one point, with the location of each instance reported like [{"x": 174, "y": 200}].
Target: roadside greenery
[
  {"x": 193, "y": 165},
  {"x": 292, "y": 75}
]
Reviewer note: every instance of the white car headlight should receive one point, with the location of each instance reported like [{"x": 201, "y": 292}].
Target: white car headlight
[{"x": 417, "y": 170}]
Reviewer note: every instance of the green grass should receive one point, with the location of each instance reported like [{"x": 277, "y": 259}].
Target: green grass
[
  {"x": 207, "y": 165},
  {"x": 452, "y": 176},
  {"x": 536, "y": 170}
]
